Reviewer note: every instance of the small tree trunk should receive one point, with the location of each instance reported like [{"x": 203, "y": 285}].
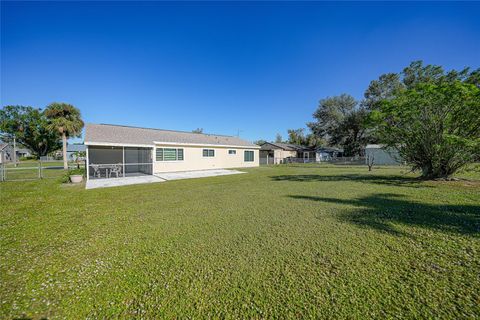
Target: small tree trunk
[
  {"x": 65, "y": 160},
  {"x": 370, "y": 162},
  {"x": 427, "y": 171}
]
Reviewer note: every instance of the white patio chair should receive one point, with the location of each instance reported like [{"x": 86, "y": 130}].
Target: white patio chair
[
  {"x": 116, "y": 169},
  {"x": 96, "y": 170}
]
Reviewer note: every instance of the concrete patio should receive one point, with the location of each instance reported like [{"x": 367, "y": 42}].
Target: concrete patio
[
  {"x": 117, "y": 182},
  {"x": 159, "y": 177}
]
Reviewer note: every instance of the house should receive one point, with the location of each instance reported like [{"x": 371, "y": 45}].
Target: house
[
  {"x": 6, "y": 151},
  {"x": 115, "y": 150},
  {"x": 23, "y": 153},
  {"x": 382, "y": 155},
  {"x": 327, "y": 153},
  {"x": 278, "y": 152}
]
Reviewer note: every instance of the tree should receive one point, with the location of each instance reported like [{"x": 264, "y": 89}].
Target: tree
[
  {"x": 382, "y": 89},
  {"x": 66, "y": 120},
  {"x": 259, "y": 142},
  {"x": 198, "y": 130},
  {"x": 330, "y": 112},
  {"x": 278, "y": 138},
  {"x": 314, "y": 141},
  {"x": 78, "y": 156},
  {"x": 30, "y": 127},
  {"x": 434, "y": 125},
  {"x": 297, "y": 136},
  {"x": 341, "y": 121},
  {"x": 352, "y": 133},
  {"x": 389, "y": 84}
]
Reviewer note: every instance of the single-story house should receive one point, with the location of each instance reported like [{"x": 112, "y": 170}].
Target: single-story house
[
  {"x": 279, "y": 152},
  {"x": 4, "y": 154},
  {"x": 118, "y": 151},
  {"x": 6, "y": 151},
  {"x": 23, "y": 152},
  {"x": 328, "y": 153},
  {"x": 382, "y": 155}
]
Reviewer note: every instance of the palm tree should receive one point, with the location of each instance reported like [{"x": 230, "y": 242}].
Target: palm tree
[{"x": 65, "y": 119}]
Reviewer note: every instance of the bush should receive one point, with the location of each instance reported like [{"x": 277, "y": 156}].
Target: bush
[
  {"x": 78, "y": 171},
  {"x": 28, "y": 158},
  {"x": 434, "y": 127},
  {"x": 66, "y": 177}
]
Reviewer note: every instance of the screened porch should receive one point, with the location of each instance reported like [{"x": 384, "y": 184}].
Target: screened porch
[{"x": 105, "y": 162}]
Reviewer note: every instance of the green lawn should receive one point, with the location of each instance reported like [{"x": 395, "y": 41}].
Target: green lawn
[{"x": 278, "y": 242}]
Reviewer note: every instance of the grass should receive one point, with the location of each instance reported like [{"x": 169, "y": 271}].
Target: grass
[{"x": 279, "y": 242}]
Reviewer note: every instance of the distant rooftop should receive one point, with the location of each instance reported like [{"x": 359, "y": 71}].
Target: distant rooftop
[
  {"x": 283, "y": 146},
  {"x": 118, "y": 134}
]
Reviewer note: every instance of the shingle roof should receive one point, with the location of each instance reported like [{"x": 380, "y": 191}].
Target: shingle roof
[{"x": 116, "y": 134}]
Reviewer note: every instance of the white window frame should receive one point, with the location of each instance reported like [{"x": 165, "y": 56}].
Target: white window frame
[
  {"x": 163, "y": 155},
  {"x": 208, "y": 156},
  {"x": 253, "y": 156}
]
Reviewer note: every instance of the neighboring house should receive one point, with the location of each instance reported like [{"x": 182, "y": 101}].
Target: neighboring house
[
  {"x": 23, "y": 152},
  {"x": 114, "y": 150},
  {"x": 382, "y": 155},
  {"x": 328, "y": 153},
  {"x": 76, "y": 147},
  {"x": 277, "y": 152},
  {"x": 6, "y": 151}
]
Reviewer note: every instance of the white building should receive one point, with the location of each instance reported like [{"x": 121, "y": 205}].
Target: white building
[
  {"x": 120, "y": 151},
  {"x": 382, "y": 155}
]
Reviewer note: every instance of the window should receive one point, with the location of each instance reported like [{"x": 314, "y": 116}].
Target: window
[
  {"x": 248, "y": 156},
  {"x": 208, "y": 153},
  {"x": 232, "y": 151},
  {"x": 169, "y": 154}
]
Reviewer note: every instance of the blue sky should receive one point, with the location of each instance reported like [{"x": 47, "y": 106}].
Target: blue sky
[{"x": 255, "y": 67}]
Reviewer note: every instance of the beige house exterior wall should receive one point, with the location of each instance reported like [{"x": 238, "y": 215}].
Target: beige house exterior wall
[
  {"x": 279, "y": 155},
  {"x": 193, "y": 159}
]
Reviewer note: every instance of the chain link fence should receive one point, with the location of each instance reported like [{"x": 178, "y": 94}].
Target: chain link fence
[
  {"x": 333, "y": 160},
  {"x": 33, "y": 170}
]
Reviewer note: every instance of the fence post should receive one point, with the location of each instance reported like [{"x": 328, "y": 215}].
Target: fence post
[
  {"x": 40, "y": 173},
  {"x": 1, "y": 172}
]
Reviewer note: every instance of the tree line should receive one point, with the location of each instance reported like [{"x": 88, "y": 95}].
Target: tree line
[
  {"x": 430, "y": 116},
  {"x": 41, "y": 131}
]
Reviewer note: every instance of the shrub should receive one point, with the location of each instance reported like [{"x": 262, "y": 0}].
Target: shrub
[{"x": 66, "y": 177}]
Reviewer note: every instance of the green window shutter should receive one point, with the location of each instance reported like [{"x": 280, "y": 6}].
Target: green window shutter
[
  {"x": 169, "y": 154},
  {"x": 179, "y": 154},
  {"x": 159, "y": 155}
]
